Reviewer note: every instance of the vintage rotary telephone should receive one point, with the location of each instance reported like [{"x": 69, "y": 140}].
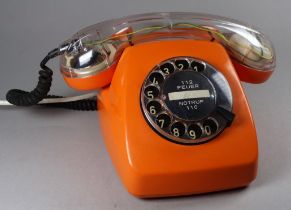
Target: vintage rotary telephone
[{"x": 173, "y": 113}]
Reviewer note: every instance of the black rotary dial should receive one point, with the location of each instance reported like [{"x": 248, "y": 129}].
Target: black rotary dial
[{"x": 186, "y": 100}]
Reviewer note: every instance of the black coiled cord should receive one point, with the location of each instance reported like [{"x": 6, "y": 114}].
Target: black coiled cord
[
  {"x": 23, "y": 98},
  {"x": 82, "y": 105}
]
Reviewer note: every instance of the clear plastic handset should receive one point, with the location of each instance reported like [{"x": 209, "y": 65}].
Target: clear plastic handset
[{"x": 96, "y": 48}]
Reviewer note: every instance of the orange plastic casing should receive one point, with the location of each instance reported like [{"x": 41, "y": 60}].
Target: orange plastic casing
[
  {"x": 91, "y": 82},
  {"x": 151, "y": 166},
  {"x": 251, "y": 75}
]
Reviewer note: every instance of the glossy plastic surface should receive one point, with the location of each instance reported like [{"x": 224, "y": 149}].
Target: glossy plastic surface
[
  {"x": 149, "y": 165},
  {"x": 98, "y": 47},
  {"x": 91, "y": 82}
]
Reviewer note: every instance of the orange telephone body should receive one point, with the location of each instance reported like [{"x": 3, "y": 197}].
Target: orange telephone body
[
  {"x": 172, "y": 110},
  {"x": 149, "y": 165}
]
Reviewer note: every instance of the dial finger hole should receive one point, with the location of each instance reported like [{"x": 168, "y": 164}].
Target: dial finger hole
[
  {"x": 197, "y": 66},
  {"x": 151, "y": 92},
  {"x": 154, "y": 107},
  {"x": 194, "y": 131},
  {"x": 163, "y": 120},
  {"x": 210, "y": 127},
  {"x": 156, "y": 78},
  {"x": 178, "y": 129},
  {"x": 167, "y": 68},
  {"x": 182, "y": 64}
]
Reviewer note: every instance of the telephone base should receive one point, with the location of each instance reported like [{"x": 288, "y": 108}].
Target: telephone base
[{"x": 151, "y": 166}]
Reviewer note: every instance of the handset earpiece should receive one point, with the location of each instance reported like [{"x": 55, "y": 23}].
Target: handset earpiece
[
  {"x": 91, "y": 58},
  {"x": 254, "y": 62}
]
